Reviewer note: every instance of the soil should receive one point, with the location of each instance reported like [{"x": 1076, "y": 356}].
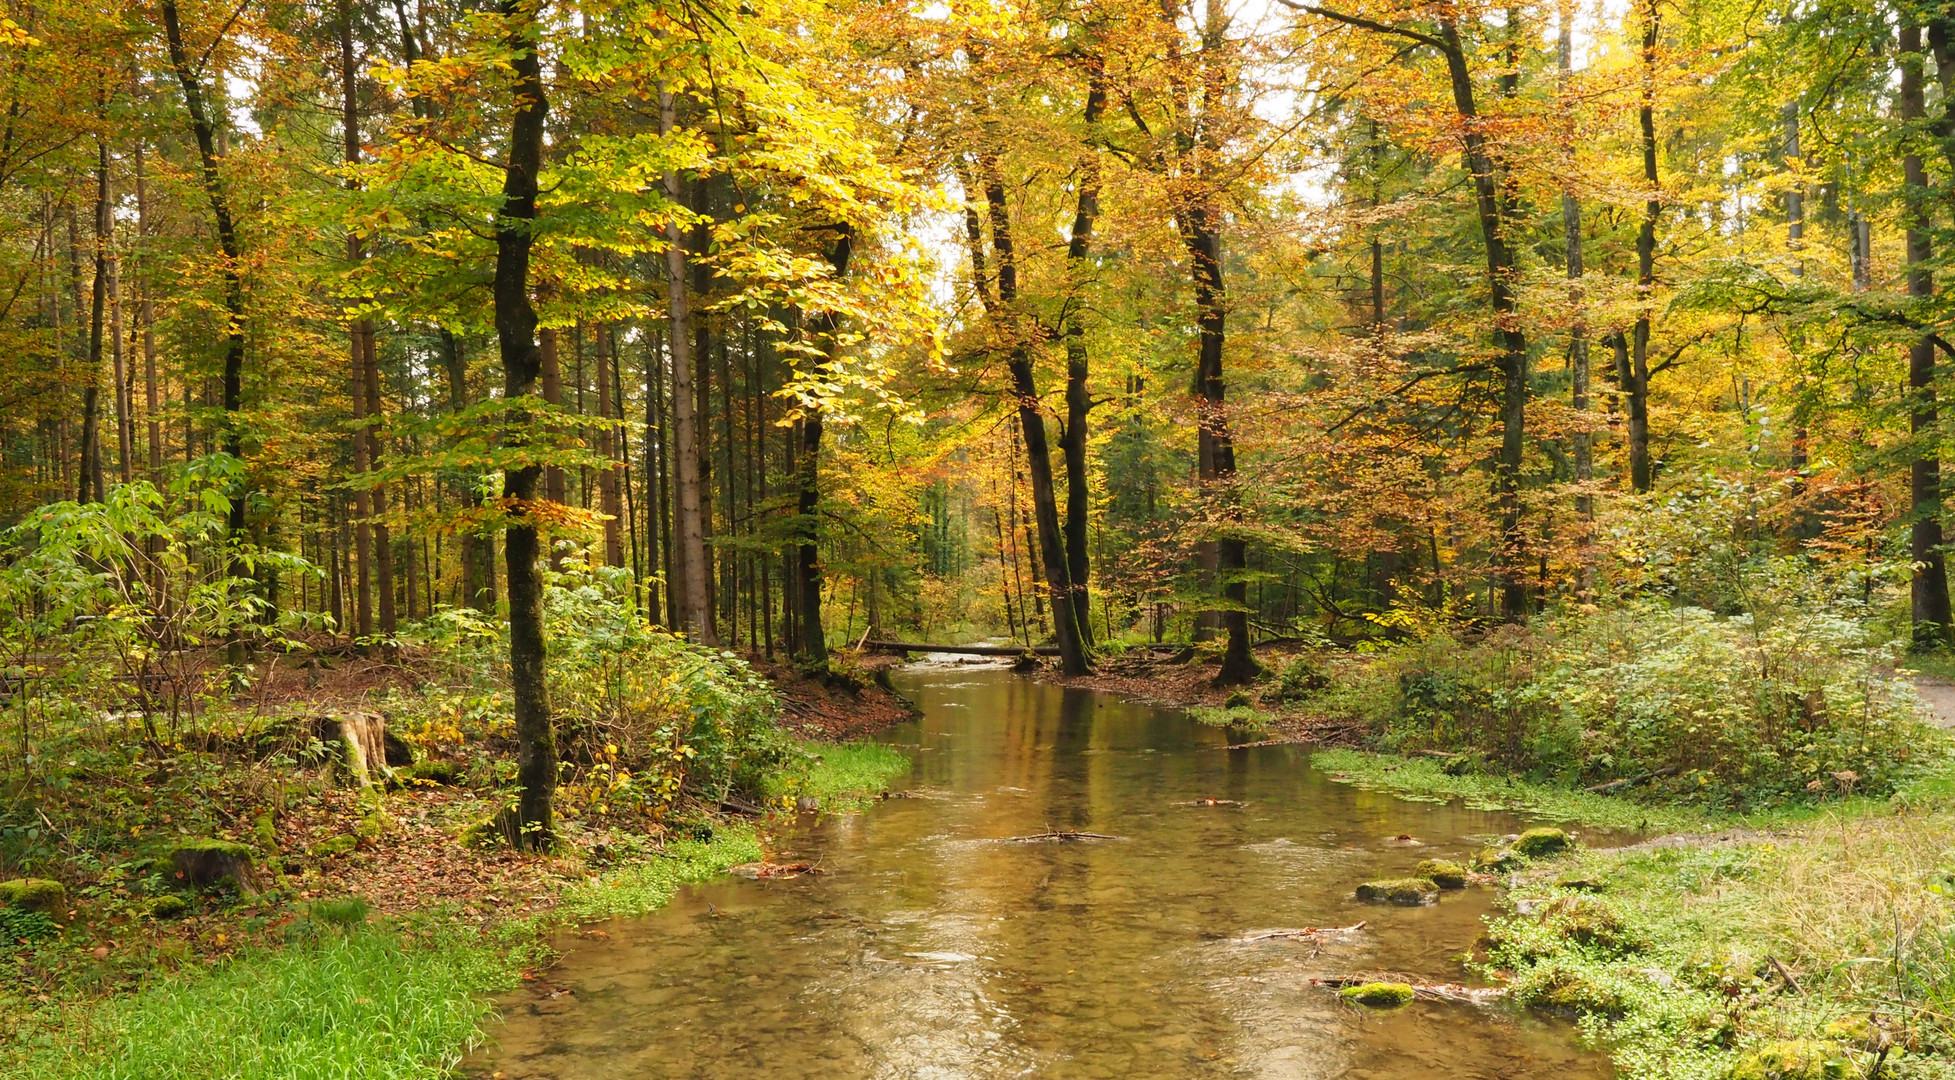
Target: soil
[
  {"x": 1176, "y": 680},
  {"x": 838, "y": 709}
]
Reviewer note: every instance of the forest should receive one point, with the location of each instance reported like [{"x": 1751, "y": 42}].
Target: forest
[{"x": 525, "y": 439}]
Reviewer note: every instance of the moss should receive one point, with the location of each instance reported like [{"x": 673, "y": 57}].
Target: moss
[
  {"x": 1581, "y": 883},
  {"x": 170, "y": 906},
  {"x": 1850, "y": 1029},
  {"x": 1443, "y": 873},
  {"x": 430, "y": 774},
  {"x": 1496, "y": 860},
  {"x": 372, "y": 826},
  {"x": 212, "y": 846},
  {"x": 33, "y": 894},
  {"x": 486, "y": 833},
  {"x": 1378, "y": 995},
  {"x": 206, "y": 861},
  {"x": 1588, "y": 921},
  {"x": 1412, "y": 890},
  {"x": 1793, "y": 1059},
  {"x": 265, "y": 831},
  {"x": 333, "y": 847},
  {"x": 1540, "y": 843}
]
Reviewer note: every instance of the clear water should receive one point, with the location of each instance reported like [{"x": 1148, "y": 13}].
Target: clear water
[{"x": 929, "y": 949}]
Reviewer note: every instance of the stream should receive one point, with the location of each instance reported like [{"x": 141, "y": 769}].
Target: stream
[{"x": 930, "y": 949}]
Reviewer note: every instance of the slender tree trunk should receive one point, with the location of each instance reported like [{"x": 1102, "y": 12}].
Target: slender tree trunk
[
  {"x": 609, "y": 501},
  {"x": 1795, "y": 238},
  {"x": 91, "y": 419},
  {"x": 383, "y": 542},
  {"x": 356, "y": 347},
  {"x": 807, "y": 553},
  {"x": 531, "y": 825},
  {"x": 204, "y": 129},
  {"x": 1031, "y": 421},
  {"x": 1571, "y": 226},
  {"x": 152, "y": 392},
  {"x": 1930, "y": 598},
  {"x": 1078, "y": 403},
  {"x": 689, "y": 536},
  {"x": 1638, "y": 387}
]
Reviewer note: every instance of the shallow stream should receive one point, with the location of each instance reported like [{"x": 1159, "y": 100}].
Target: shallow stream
[{"x": 932, "y": 948}]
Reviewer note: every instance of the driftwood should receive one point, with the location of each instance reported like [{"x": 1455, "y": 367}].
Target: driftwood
[
  {"x": 1209, "y": 802},
  {"x": 1064, "y": 837},
  {"x": 1262, "y": 742},
  {"x": 963, "y": 650},
  {"x": 764, "y": 871},
  {"x": 1453, "y": 992},
  {"x": 1301, "y": 932}
]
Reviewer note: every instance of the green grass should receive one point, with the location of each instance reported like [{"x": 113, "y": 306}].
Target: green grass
[
  {"x": 1425, "y": 779},
  {"x": 845, "y": 776},
  {"x": 1850, "y": 905}
]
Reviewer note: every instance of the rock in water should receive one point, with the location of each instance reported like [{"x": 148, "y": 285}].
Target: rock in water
[
  {"x": 1539, "y": 843},
  {"x": 34, "y": 894},
  {"x": 210, "y": 863},
  {"x": 1410, "y": 891},
  {"x": 1378, "y": 995},
  {"x": 1445, "y": 874}
]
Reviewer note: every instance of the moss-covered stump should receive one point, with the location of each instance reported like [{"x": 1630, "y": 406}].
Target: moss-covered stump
[
  {"x": 1442, "y": 872},
  {"x": 169, "y": 906},
  {"x": 1378, "y": 995},
  {"x": 1541, "y": 843},
  {"x": 1793, "y": 1059},
  {"x": 1411, "y": 891},
  {"x": 34, "y": 894},
  {"x": 209, "y": 863}
]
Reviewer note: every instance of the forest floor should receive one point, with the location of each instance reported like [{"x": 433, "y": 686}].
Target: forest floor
[{"x": 118, "y": 978}]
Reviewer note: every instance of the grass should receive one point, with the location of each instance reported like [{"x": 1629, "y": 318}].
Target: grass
[
  {"x": 1847, "y": 904},
  {"x": 394, "y": 1001},
  {"x": 846, "y": 776}
]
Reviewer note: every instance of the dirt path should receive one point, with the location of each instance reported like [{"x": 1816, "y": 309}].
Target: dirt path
[{"x": 1940, "y": 696}]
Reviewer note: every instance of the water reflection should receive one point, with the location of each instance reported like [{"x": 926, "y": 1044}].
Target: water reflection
[{"x": 930, "y": 949}]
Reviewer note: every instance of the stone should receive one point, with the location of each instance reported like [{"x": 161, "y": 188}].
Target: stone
[
  {"x": 1378, "y": 995},
  {"x": 1540, "y": 843},
  {"x": 1410, "y": 891},
  {"x": 1443, "y": 873},
  {"x": 1793, "y": 1059},
  {"x": 34, "y": 894},
  {"x": 206, "y": 863},
  {"x": 1496, "y": 860}
]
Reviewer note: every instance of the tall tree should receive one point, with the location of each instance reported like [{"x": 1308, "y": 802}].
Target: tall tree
[{"x": 1929, "y": 607}]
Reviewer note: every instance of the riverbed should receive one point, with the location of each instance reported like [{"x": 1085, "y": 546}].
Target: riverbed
[{"x": 933, "y": 945}]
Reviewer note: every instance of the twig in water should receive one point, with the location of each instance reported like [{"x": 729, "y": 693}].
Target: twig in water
[
  {"x": 1302, "y": 932},
  {"x": 1066, "y": 836}
]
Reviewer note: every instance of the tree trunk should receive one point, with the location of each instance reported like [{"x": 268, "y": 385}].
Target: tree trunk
[
  {"x": 609, "y": 500},
  {"x": 1578, "y": 364},
  {"x": 383, "y": 542},
  {"x": 1637, "y": 389},
  {"x": 356, "y": 348},
  {"x": 531, "y": 824},
  {"x": 1031, "y": 422},
  {"x": 204, "y": 130},
  {"x": 152, "y": 393},
  {"x": 1929, "y": 592},
  {"x": 1078, "y": 403},
  {"x": 689, "y": 537},
  {"x": 91, "y": 420},
  {"x": 813, "y": 645}
]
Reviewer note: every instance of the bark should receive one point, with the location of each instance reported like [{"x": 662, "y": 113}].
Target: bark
[
  {"x": 383, "y": 543},
  {"x": 356, "y": 348},
  {"x": 530, "y": 825},
  {"x": 1929, "y": 592},
  {"x": 610, "y": 501},
  {"x": 1031, "y": 421},
  {"x": 152, "y": 393},
  {"x": 1795, "y": 237},
  {"x": 91, "y": 417},
  {"x": 695, "y": 614},
  {"x": 1637, "y": 387},
  {"x": 813, "y": 643},
  {"x": 204, "y": 130},
  {"x": 1583, "y": 449},
  {"x": 1078, "y": 403}
]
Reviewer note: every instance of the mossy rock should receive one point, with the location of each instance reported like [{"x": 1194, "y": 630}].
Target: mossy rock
[
  {"x": 1541, "y": 843},
  {"x": 1581, "y": 883},
  {"x": 1588, "y": 921},
  {"x": 206, "y": 862},
  {"x": 333, "y": 847},
  {"x": 34, "y": 894},
  {"x": 1496, "y": 860},
  {"x": 1443, "y": 873},
  {"x": 169, "y": 906},
  {"x": 1410, "y": 891},
  {"x": 1793, "y": 1059},
  {"x": 1378, "y": 995},
  {"x": 1567, "y": 992}
]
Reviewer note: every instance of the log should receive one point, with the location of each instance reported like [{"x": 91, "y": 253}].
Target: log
[{"x": 963, "y": 650}]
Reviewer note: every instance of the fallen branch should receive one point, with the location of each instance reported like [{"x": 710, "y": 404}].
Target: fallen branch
[
  {"x": 1209, "y": 802},
  {"x": 1067, "y": 836},
  {"x": 1302, "y": 932},
  {"x": 1790, "y": 982},
  {"x": 1263, "y": 742}
]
